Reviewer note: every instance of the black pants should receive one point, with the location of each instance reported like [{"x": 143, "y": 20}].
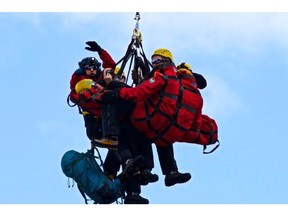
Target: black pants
[
  {"x": 113, "y": 160},
  {"x": 166, "y": 159},
  {"x": 124, "y": 108}
]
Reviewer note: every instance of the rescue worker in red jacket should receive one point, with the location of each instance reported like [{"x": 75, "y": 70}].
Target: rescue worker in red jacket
[
  {"x": 159, "y": 112},
  {"x": 130, "y": 136},
  {"x": 192, "y": 82},
  {"x": 165, "y": 154},
  {"x": 89, "y": 68},
  {"x": 158, "y": 107},
  {"x": 91, "y": 109},
  {"x": 204, "y": 130},
  {"x": 191, "y": 96}
]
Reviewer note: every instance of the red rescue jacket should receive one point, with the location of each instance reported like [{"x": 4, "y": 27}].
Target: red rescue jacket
[
  {"x": 91, "y": 106},
  {"x": 192, "y": 101},
  {"x": 156, "y": 102},
  {"x": 156, "y": 113}
]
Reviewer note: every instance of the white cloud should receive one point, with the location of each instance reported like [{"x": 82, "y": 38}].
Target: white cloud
[
  {"x": 220, "y": 99},
  {"x": 15, "y": 18},
  {"x": 214, "y": 32},
  {"x": 206, "y": 32}
]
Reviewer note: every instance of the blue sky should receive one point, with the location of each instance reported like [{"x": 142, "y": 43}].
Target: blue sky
[{"x": 242, "y": 55}]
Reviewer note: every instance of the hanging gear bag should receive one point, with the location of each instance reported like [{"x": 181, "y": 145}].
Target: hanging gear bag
[{"x": 90, "y": 179}]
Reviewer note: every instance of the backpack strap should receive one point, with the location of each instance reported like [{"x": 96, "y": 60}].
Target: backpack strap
[
  {"x": 83, "y": 194},
  {"x": 68, "y": 101},
  {"x": 205, "y": 146},
  {"x": 89, "y": 153}
]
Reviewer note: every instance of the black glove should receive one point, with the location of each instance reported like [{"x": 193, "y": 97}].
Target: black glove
[
  {"x": 116, "y": 85},
  {"x": 110, "y": 96},
  {"x": 93, "y": 46},
  {"x": 145, "y": 68}
]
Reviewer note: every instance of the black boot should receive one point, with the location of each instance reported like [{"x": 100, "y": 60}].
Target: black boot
[
  {"x": 147, "y": 177},
  {"x": 131, "y": 168},
  {"x": 175, "y": 177},
  {"x": 135, "y": 198}
]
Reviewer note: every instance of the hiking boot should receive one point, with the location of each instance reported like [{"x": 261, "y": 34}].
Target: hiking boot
[
  {"x": 175, "y": 177},
  {"x": 147, "y": 177},
  {"x": 131, "y": 168},
  {"x": 106, "y": 142},
  {"x": 135, "y": 198}
]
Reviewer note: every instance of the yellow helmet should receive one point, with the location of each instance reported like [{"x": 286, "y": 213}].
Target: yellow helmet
[
  {"x": 164, "y": 53},
  {"x": 122, "y": 74},
  {"x": 184, "y": 67},
  {"x": 83, "y": 85}
]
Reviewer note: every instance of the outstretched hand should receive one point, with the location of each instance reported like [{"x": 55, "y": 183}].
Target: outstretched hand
[{"x": 93, "y": 46}]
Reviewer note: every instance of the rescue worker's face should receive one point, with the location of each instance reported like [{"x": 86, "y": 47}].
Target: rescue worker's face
[
  {"x": 90, "y": 70},
  {"x": 156, "y": 60}
]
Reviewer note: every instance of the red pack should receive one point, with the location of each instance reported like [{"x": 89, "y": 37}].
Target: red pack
[{"x": 208, "y": 133}]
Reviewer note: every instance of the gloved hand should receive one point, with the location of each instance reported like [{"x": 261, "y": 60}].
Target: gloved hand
[
  {"x": 110, "y": 96},
  {"x": 93, "y": 46},
  {"x": 96, "y": 86},
  {"x": 87, "y": 95},
  {"x": 135, "y": 76},
  {"x": 145, "y": 68}
]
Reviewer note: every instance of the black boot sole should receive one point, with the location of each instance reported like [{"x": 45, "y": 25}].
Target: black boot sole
[
  {"x": 183, "y": 180},
  {"x": 129, "y": 169}
]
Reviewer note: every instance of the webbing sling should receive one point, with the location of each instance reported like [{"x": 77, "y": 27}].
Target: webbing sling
[{"x": 135, "y": 49}]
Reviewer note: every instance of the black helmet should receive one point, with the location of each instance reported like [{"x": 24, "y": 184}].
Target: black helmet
[{"x": 89, "y": 61}]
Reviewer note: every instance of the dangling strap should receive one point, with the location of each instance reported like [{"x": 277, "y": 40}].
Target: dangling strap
[
  {"x": 205, "y": 146},
  {"x": 83, "y": 194},
  {"x": 68, "y": 182},
  {"x": 68, "y": 101},
  {"x": 99, "y": 156}
]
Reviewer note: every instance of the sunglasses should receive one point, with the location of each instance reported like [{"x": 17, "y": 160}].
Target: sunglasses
[
  {"x": 157, "y": 61},
  {"x": 90, "y": 67}
]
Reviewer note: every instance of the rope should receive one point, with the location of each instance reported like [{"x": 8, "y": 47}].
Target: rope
[{"x": 135, "y": 50}]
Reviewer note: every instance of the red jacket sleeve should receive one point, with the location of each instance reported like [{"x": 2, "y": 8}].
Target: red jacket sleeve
[
  {"x": 74, "y": 97},
  {"x": 107, "y": 60},
  {"x": 83, "y": 97},
  {"x": 144, "y": 90},
  {"x": 74, "y": 80}
]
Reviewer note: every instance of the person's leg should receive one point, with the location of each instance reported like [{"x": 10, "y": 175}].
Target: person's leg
[
  {"x": 169, "y": 166},
  {"x": 133, "y": 190},
  {"x": 111, "y": 165},
  {"x": 93, "y": 126},
  {"x": 111, "y": 123},
  {"x": 166, "y": 159},
  {"x": 128, "y": 151},
  {"x": 140, "y": 145},
  {"x": 110, "y": 127},
  {"x": 148, "y": 163}
]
